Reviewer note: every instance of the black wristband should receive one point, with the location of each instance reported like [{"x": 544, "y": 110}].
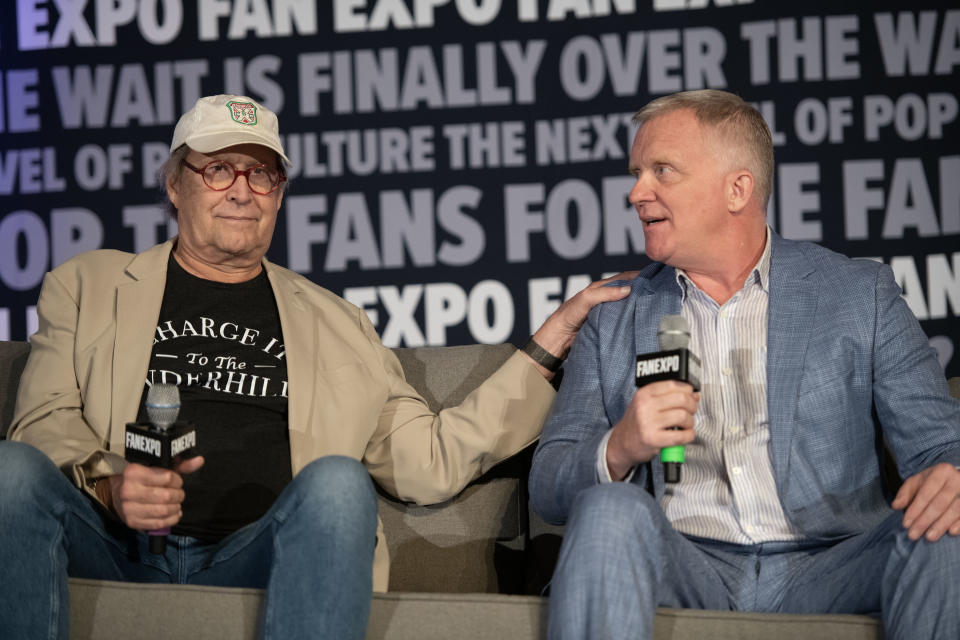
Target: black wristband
[{"x": 541, "y": 356}]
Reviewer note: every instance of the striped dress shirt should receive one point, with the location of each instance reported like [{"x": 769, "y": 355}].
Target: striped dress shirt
[{"x": 727, "y": 491}]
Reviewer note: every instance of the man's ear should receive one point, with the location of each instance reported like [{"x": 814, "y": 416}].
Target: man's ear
[{"x": 740, "y": 185}]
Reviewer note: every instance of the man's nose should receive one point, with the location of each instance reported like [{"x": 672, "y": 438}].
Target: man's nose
[
  {"x": 240, "y": 190},
  {"x": 641, "y": 191}
]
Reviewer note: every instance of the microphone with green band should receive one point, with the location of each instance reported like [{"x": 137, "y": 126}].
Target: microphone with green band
[{"x": 674, "y": 361}]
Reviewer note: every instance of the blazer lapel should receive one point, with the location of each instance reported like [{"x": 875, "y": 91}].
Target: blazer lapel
[
  {"x": 660, "y": 296},
  {"x": 299, "y": 324},
  {"x": 138, "y": 307},
  {"x": 794, "y": 295}
]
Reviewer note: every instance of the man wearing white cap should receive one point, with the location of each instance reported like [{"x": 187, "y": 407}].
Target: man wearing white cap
[{"x": 295, "y": 400}]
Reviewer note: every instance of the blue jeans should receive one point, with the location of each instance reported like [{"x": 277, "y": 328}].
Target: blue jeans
[
  {"x": 312, "y": 551},
  {"x": 621, "y": 558}
]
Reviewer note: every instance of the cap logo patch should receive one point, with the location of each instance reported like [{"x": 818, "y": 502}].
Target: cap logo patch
[{"x": 243, "y": 112}]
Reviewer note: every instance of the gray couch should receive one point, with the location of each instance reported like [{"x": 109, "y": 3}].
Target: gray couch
[{"x": 463, "y": 569}]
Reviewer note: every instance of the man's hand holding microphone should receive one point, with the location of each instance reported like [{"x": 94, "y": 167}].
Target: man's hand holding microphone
[
  {"x": 149, "y": 498},
  {"x": 661, "y": 413},
  {"x": 149, "y": 493}
]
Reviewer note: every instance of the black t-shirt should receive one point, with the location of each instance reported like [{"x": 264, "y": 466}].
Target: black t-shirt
[{"x": 221, "y": 344}]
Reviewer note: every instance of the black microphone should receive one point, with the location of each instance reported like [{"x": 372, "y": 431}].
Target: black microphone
[
  {"x": 159, "y": 442},
  {"x": 674, "y": 361}
]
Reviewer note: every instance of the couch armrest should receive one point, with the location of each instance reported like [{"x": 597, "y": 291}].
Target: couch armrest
[{"x": 13, "y": 357}]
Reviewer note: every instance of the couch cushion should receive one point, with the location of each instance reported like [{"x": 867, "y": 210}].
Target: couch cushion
[
  {"x": 445, "y": 375},
  {"x": 473, "y": 542},
  {"x": 109, "y": 610},
  {"x": 105, "y": 610}
]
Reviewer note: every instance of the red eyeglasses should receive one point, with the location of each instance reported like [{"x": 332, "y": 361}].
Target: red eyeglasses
[{"x": 220, "y": 175}]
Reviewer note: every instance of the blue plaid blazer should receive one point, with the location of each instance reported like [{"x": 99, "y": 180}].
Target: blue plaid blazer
[{"x": 848, "y": 369}]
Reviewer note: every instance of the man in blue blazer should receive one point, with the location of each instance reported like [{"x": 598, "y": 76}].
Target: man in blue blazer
[{"x": 811, "y": 363}]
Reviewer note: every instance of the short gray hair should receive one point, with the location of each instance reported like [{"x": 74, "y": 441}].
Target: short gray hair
[
  {"x": 736, "y": 123},
  {"x": 170, "y": 172}
]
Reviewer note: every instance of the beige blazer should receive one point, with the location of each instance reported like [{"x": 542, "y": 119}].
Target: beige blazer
[{"x": 347, "y": 393}]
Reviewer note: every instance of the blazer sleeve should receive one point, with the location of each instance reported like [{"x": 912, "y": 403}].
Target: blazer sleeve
[
  {"x": 565, "y": 461},
  {"x": 424, "y": 457},
  {"x": 49, "y": 408},
  {"x": 920, "y": 421}
]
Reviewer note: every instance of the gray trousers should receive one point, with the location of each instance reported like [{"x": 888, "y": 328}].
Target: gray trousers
[{"x": 621, "y": 559}]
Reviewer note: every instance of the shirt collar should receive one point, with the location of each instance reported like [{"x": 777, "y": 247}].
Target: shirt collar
[{"x": 760, "y": 274}]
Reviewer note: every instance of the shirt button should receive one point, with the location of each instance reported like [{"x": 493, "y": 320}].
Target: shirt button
[
  {"x": 734, "y": 429},
  {"x": 748, "y": 528},
  {"x": 728, "y": 371},
  {"x": 736, "y": 471}
]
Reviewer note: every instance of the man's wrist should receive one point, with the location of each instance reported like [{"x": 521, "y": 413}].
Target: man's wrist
[
  {"x": 541, "y": 356},
  {"x": 605, "y": 472},
  {"x": 615, "y": 470}
]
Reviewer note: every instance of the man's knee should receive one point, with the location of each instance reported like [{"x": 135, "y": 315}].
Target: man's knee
[
  {"x": 337, "y": 488},
  {"x": 30, "y": 483},
  {"x": 616, "y": 512},
  {"x": 938, "y": 562},
  {"x": 921, "y": 589},
  {"x": 24, "y": 468}
]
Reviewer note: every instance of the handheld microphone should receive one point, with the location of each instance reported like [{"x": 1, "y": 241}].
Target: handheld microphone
[
  {"x": 674, "y": 361},
  {"x": 159, "y": 442}
]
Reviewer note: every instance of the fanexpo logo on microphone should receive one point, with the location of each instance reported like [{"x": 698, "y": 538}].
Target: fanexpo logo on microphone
[
  {"x": 184, "y": 442},
  {"x": 149, "y": 446},
  {"x": 144, "y": 444},
  {"x": 667, "y": 364},
  {"x": 672, "y": 364}
]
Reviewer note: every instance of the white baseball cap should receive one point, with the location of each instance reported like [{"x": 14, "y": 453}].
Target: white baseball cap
[{"x": 218, "y": 122}]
